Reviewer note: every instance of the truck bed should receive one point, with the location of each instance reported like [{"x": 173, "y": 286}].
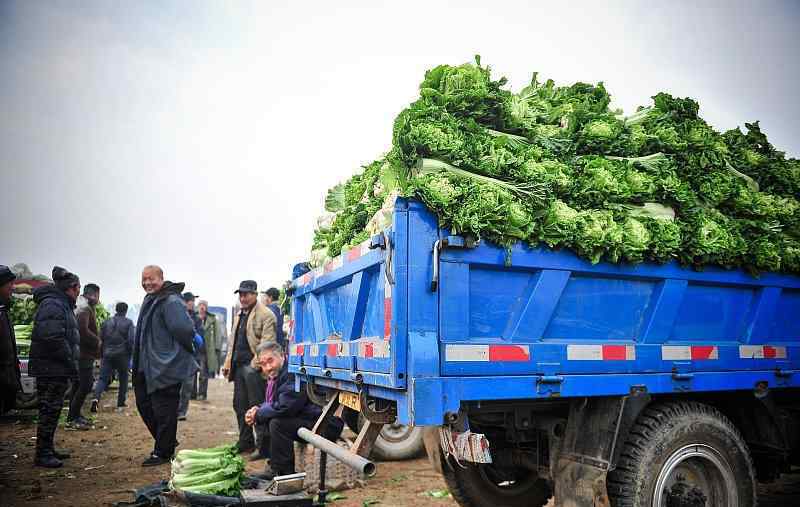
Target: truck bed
[{"x": 531, "y": 323}]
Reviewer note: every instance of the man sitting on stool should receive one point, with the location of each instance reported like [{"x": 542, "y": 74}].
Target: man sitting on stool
[{"x": 283, "y": 412}]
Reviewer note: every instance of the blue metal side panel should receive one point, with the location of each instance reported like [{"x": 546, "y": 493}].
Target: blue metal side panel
[{"x": 545, "y": 324}]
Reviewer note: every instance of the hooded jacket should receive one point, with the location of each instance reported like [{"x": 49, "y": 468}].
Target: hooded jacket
[
  {"x": 55, "y": 340},
  {"x": 163, "y": 349}
]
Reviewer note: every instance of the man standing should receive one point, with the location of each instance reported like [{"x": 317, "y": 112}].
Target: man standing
[
  {"x": 162, "y": 360},
  {"x": 9, "y": 361},
  {"x": 284, "y": 411},
  {"x": 189, "y": 385},
  {"x": 253, "y": 325},
  {"x": 90, "y": 350},
  {"x": 208, "y": 360},
  {"x": 271, "y": 297},
  {"x": 55, "y": 348},
  {"x": 117, "y": 334}
]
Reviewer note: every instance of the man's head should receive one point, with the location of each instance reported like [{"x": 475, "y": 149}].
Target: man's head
[
  {"x": 7, "y": 278},
  {"x": 91, "y": 291},
  {"x": 152, "y": 279},
  {"x": 270, "y": 358},
  {"x": 121, "y": 308},
  {"x": 271, "y": 295},
  {"x": 202, "y": 308},
  {"x": 189, "y": 298},
  {"x": 67, "y": 282},
  {"x": 248, "y": 294}
]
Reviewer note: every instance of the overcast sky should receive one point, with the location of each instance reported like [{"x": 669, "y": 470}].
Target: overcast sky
[{"x": 202, "y": 136}]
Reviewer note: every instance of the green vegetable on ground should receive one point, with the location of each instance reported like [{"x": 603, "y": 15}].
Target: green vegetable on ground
[{"x": 214, "y": 471}]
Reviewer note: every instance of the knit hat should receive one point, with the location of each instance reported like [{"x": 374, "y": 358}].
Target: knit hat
[{"x": 6, "y": 275}]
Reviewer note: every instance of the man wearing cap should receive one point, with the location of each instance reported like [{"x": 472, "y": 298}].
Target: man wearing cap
[
  {"x": 9, "y": 361},
  {"x": 55, "y": 350},
  {"x": 253, "y": 325},
  {"x": 189, "y": 386}
]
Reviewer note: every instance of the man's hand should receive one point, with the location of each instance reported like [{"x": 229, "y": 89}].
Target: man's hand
[{"x": 250, "y": 416}]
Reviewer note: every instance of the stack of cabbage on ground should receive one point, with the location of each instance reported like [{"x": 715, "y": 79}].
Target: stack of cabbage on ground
[
  {"x": 215, "y": 471},
  {"x": 555, "y": 165}
]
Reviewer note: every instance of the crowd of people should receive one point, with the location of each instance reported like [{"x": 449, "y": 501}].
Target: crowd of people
[{"x": 171, "y": 351}]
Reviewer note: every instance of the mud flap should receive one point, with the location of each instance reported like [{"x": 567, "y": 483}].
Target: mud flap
[{"x": 585, "y": 452}]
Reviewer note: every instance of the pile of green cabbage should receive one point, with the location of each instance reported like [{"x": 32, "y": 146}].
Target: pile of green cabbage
[
  {"x": 215, "y": 471},
  {"x": 555, "y": 165}
]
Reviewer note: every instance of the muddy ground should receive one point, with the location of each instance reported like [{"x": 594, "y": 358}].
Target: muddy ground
[{"x": 105, "y": 464}]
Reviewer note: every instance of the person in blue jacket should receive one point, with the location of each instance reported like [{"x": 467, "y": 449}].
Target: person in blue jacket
[
  {"x": 283, "y": 412},
  {"x": 163, "y": 358}
]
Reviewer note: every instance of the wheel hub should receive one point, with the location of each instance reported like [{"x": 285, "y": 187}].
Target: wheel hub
[{"x": 696, "y": 475}]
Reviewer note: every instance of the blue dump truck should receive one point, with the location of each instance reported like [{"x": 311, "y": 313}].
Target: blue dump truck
[{"x": 535, "y": 373}]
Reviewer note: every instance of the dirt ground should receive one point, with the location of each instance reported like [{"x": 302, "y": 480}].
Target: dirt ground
[{"x": 105, "y": 464}]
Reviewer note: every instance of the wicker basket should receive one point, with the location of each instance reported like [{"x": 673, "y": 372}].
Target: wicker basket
[{"x": 338, "y": 476}]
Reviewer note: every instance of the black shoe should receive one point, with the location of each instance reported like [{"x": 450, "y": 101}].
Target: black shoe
[
  {"x": 154, "y": 460},
  {"x": 62, "y": 454},
  {"x": 95, "y": 402},
  {"x": 47, "y": 462},
  {"x": 256, "y": 455}
]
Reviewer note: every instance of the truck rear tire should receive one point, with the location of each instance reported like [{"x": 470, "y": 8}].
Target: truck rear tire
[
  {"x": 395, "y": 442},
  {"x": 683, "y": 453},
  {"x": 398, "y": 442},
  {"x": 479, "y": 485}
]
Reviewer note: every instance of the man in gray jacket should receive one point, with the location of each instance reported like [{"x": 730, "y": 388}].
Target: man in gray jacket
[{"x": 162, "y": 360}]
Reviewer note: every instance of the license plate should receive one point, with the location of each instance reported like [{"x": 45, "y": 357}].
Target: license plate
[{"x": 350, "y": 400}]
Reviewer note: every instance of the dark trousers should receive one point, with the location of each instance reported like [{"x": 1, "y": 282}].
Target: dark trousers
[
  {"x": 82, "y": 390},
  {"x": 51, "y": 392},
  {"x": 281, "y": 435},
  {"x": 185, "y": 389},
  {"x": 110, "y": 364},
  {"x": 202, "y": 387},
  {"x": 248, "y": 391},
  {"x": 159, "y": 411}
]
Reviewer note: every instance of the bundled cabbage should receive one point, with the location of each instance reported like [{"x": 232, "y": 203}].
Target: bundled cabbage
[
  {"x": 215, "y": 471},
  {"x": 554, "y": 165}
]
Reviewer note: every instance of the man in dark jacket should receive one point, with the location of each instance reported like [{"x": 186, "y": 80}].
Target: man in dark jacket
[
  {"x": 9, "y": 360},
  {"x": 117, "y": 334},
  {"x": 90, "y": 351},
  {"x": 55, "y": 347},
  {"x": 162, "y": 360},
  {"x": 284, "y": 411},
  {"x": 271, "y": 297},
  {"x": 189, "y": 386}
]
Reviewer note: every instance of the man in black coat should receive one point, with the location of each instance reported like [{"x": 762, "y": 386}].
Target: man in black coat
[
  {"x": 162, "y": 359},
  {"x": 9, "y": 360},
  {"x": 283, "y": 412},
  {"x": 55, "y": 348}
]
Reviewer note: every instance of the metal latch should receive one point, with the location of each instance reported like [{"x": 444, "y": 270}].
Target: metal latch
[{"x": 448, "y": 242}]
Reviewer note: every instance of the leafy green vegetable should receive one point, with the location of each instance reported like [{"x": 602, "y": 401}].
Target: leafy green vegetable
[
  {"x": 215, "y": 471},
  {"x": 555, "y": 165}
]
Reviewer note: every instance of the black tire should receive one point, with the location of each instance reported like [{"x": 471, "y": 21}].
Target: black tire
[
  {"x": 474, "y": 485},
  {"x": 398, "y": 442},
  {"x": 694, "y": 453}
]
